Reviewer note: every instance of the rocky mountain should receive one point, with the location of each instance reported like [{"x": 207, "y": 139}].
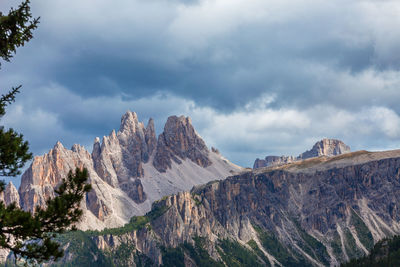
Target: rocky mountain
[
  {"x": 316, "y": 212},
  {"x": 325, "y": 147},
  {"x": 128, "y": 170}
]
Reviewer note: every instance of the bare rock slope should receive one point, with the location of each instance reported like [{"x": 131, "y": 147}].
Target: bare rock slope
[
  {"x": 128, "y": 170},
  {"x": 317, "y": 212},
  {"x": 325, "y": 147}
]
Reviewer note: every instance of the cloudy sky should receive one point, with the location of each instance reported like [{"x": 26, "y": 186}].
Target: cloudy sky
[{"x": 257, "y": 77}]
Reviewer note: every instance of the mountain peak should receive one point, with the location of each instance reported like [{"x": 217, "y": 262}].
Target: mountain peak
[
  {"x": 125, "y": 171},
  {"x": 325, "y": 147},
  {"x": 172, "y": 121},
  {"x": 58, "y": 146},
  {"x": 180, "y": 141},
  {"x": 129, "y": 122}
]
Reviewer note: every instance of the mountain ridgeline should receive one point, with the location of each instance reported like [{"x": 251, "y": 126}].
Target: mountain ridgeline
[{"x": 316, "y": 212}]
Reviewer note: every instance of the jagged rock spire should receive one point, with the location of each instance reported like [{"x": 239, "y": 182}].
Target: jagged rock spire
[
  {"x": 150, "y": 136},
  {"x": 129, "y": 123},
  {"x": 178, "y": 142},
  {"x": 121, "y": 171}
]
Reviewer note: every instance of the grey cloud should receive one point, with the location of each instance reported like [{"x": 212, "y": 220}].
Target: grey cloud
[
  {"x": 217, "y": 56},
  {"x": 209, "y": 59}
]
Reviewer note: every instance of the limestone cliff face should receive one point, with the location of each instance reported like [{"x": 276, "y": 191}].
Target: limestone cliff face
[
  {"x": 178, "y": 142},
  {"x": 311, "y": 215},
  {"x": 122, "y": 170},
  {"x": 325, "y": 147}
]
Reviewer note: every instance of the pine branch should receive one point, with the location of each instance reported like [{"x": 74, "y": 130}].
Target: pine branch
[
  {"x": 30, "y": 236},
  {"x": 16, "y": 29},
  {"x": 13, "y": 152}
]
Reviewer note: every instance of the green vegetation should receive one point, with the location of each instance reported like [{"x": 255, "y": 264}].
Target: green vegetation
[
  {"x": 312, "y": 246},
  {"x": 336, "y": 245},
  {"x": 352, "y": 250},
  {"x": 234, "y": 254},
  {"x": 364, "y": 235},
  {"x": 34, "y": 233},
  {"x": 135, "y": 223},
  {"x": 156, "y": 211},
  {"x": 83, "y": 249},
  {"x": 123, "y": 255},
  {"x": 141, "y": 260},
  {"x": 199, "y": 254},
  {"x": 173, "y": 257},
  {"x": 258, "y": 251},
  {"x": 196, "y": 199},
  {"x": 384, "y": 253},
  {"x": 84, "y": 252},
  {"x": 276, "y": 249}
]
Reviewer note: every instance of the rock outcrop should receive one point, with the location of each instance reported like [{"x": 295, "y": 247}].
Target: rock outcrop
[
  {"x": 273, "y": 161},
  {"x": 325, "y": 147},
  {"x": 128, "y": 170}
]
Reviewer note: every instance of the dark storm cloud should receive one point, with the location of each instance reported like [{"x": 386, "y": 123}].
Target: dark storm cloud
[
  {"x": 277, "y": 75},
  {"x": 286, "y": 54},
  {"x": 226, "y": 69}
]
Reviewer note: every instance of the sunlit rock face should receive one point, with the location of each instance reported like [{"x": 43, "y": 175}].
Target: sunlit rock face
[
  {"x": 325, "y": 147},
  {"x": 47, "y": 171},
  {"x": 128, "y": 170},
  {"x": 180, "y": 141}
]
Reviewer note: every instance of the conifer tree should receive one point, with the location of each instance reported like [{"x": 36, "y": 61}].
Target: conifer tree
[{"x": 30, "y": 236}]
